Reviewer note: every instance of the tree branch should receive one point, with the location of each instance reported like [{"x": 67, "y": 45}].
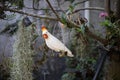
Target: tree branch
[
  {"x": 59, "y": 10},
  {"x": 117, "y": 12},
  {"x": 89, "y": 8},
  {"x": 101, "y": 40},
  {"x": 81, "y": 2},
  {"x": 44, "y": 9},
  {"x": 90, "y": 34},
  {"x": 53, "y": 10},
  {"x": 28, "y": 14}
]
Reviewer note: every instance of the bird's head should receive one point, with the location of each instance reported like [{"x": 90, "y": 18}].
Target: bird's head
[
  {"x": 43, "y": 28},
  {"x": 44, "y": 32}
]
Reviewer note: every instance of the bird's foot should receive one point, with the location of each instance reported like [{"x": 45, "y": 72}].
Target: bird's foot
[{"x": 62, "y": 54}]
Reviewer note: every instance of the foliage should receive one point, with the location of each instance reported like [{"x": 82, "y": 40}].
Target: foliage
[
  {"x": 113, "y": 30},
  {"x": 70, "y": 9},
  {"x": 5, "y": 65},
  {"x": 83, "y": 63},
  {"x": 64, "y": 19},
  {"x": 87, "y": 62},
  {"x": 80, "y": 62},
  {"x": 10, "y": 28},
  {"x": 14, "y": 4},
  {"x": 68, "y": 76},
  {"x": 81, "y": 29},
  {"x": 21, "y": 68}
]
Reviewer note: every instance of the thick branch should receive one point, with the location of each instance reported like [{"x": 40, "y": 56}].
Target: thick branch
[
  {"x": 90, "y": 34},
  {"x": 53, "y": 10},
  {"x": 28, "y": 14}
]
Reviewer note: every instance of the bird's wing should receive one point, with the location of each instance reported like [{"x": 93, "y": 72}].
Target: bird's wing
[{"x": 55, "y": 44}]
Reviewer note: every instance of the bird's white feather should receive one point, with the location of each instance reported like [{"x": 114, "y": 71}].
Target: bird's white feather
[{"x": 55, "y": 44}]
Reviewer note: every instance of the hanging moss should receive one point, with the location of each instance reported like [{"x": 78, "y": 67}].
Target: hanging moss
[{"x": 22, "y": 54}]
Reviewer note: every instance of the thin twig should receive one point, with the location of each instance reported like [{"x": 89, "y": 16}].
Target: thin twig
[
  {"x": 81, "y": 2},
  {"x": 89, "y": 8},
  {"x": 53, "y": 10},
  {"x": 58, "y": 10},
  {"x": 28, "y": 14}
]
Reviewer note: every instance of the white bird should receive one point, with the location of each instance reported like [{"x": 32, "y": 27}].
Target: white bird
[{"x": 53, "y": 43}]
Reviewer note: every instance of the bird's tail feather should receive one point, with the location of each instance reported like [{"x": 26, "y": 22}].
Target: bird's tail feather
[{"x": 69, "y": 53}]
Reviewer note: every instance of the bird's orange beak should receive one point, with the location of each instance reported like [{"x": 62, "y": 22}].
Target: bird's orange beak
[{"x": 43, "y": 28}]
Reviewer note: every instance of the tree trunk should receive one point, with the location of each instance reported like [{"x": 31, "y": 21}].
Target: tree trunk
[
  {"x": 117, "y": 13},
  {"x": 113, "y": 64}
]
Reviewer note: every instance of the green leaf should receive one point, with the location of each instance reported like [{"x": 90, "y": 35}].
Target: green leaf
[
  {"x": 18, "y": 3},
  {"x": 106, "y": 23},
  {"x": 82, "y": 28},
  {"x": 78, "y": 29},
  {"x": 71, "y": 8},
  {"x": 63, "y": 19}
]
